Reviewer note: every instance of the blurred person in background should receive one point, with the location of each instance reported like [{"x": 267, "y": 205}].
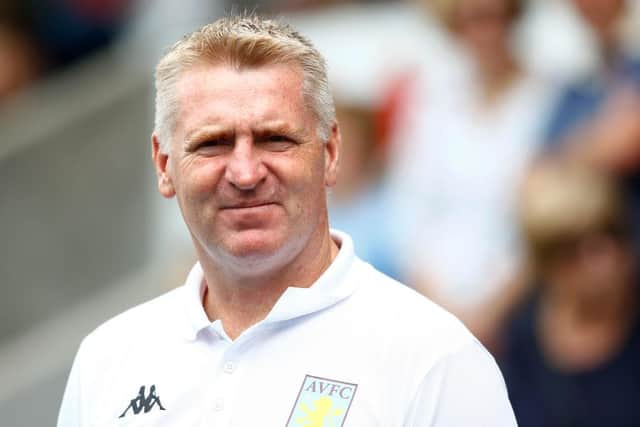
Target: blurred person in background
[
  {"x": 289, "y": 6},
  {"x": 597, "y": 119},
  {"x": 41, "y": 36},
  {"x": 68, "y": 30},
  {"x": 572, "y": 353},
  {"x": 460, "y": 151}
]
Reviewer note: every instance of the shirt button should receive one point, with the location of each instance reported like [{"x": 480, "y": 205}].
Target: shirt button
[
  {"x": 219, "y": 404},
  {"x": 229, "y": 367}
]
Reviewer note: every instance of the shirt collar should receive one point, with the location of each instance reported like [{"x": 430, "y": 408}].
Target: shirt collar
[
  {"x": 193, "y": 292},
  {"x": 330, "y": 288}
]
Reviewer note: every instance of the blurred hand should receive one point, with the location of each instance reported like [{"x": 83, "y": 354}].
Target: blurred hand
[{"x": 613, "y": 137}]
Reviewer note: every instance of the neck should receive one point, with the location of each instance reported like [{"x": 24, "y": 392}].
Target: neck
[
  {"x": 240, "y": 298},
  {"x": 496, "y": 75}
]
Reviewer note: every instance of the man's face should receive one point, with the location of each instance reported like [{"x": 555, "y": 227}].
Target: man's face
[
  {"x": 594, "y": 268},
  {"x": 483, "y": 27},
  {"x": 247, "y": 165}
]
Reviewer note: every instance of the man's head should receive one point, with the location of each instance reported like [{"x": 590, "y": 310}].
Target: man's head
[
  {"x": 484, "y": 27},
  {"x": 247, "y": 142},
  {"x": 574, "y": 220},
  {"x": 452, "y": 12},
  {"x": 242, "y": 42}
]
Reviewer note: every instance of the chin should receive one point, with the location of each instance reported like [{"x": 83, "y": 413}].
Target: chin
[{"x": 254, "y": 246}]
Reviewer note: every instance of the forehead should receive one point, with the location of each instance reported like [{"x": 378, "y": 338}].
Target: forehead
[{"x": 221, "y": 94}]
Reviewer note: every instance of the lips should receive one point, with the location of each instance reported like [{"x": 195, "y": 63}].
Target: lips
[
  {"x": 247, "y": 205},
  {"x": 249, "y": 214}
]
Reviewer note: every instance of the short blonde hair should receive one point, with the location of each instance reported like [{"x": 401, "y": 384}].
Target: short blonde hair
[
  {"x": 562, "y": 202},
  {"x": 243, "y": 42}
]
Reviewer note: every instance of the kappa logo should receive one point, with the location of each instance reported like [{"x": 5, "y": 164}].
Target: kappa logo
[
  {"x": 143, "y": 403},
  {"x": 322, "y": 402}
]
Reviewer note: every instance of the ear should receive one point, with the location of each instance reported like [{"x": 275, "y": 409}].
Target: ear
[
  {"x": 163, "y": 168},
  {"x": 332, "y": 156}
]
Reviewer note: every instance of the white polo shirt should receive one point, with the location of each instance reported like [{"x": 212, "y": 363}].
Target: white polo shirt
[{"x": 356, "y": 349}]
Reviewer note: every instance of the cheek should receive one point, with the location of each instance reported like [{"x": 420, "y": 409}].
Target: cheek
[
  {"x": 196, "y": 187},
  {"x": 200, "y": 178},
  {"x": 302, "y": 179}
]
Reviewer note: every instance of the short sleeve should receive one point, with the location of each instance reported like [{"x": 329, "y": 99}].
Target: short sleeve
[{"x": 464, "y": 389}]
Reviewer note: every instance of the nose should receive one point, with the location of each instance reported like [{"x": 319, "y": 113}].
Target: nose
[{"x": 245, "y": 169}]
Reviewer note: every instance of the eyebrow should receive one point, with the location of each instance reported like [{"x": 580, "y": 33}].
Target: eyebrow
[
  {"x": 207, "y": 132},
  {"x": 279, "y": 127},
  {"x": 217, "y": 131}
]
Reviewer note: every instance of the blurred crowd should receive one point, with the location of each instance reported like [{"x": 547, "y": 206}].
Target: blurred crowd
[
  {"x": 509, "y": 196},
  {"x": 41, "y": 36},
  {"x": 513, "y": 199}
]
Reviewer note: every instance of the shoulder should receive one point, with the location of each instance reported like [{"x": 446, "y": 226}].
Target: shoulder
[
  {"x": 112, "y": 349},
  {"x": 141, "y": 324},
  {"x": 440, "y": 364},
  {"x": 409, "y": 318}
]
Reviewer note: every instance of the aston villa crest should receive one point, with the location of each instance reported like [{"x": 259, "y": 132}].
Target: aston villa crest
[{"x": 322, "y": 402}]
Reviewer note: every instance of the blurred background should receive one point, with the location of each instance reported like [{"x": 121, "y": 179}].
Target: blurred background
[{"x": 491, "y": 162}]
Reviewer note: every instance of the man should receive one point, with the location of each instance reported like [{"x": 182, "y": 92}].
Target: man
[{"x": 279, "y": 323}]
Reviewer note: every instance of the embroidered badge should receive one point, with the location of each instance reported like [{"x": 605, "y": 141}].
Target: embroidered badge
[{"x": 322, "y": 402}]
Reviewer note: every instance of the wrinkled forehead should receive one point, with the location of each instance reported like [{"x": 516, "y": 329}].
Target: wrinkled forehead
[
  {"x": 229, "y": 79},
  {"x": 208, "y": 93}
]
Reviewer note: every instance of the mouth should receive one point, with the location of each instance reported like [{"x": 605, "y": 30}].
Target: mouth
[{"x": 248, "y": 205}]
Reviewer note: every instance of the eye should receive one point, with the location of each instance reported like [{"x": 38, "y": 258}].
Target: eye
[
  {"x": 276, "y": 142},
  {"x": 214, "y": 146},
  {"x": 276, "y": 138},
  {"x": 215, "y": 142}
]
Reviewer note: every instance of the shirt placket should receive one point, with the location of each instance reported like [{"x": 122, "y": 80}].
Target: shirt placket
[{"x": 222, "y": 395}]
